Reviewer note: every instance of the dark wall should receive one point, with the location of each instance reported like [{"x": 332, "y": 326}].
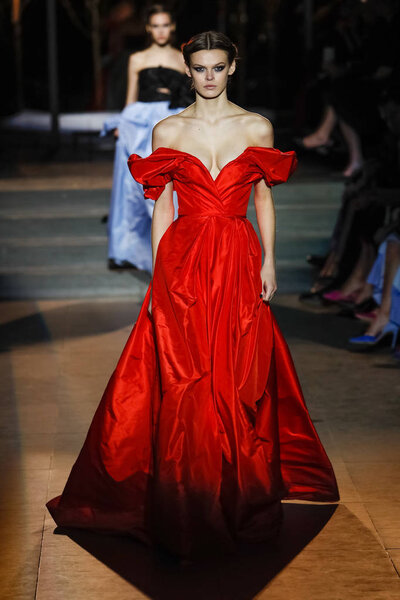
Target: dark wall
[{"x": 270, "y": 72}]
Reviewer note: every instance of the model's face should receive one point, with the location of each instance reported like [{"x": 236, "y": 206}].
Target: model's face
[
  {"x": 209, "y": 70},
  {"x": 160, "y": 28}
]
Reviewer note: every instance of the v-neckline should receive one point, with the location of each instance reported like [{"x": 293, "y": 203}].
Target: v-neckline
[{"x": 200, "y": 162}]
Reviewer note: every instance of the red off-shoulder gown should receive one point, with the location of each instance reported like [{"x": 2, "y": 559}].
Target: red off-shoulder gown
[{"x": 202, "y": 429}]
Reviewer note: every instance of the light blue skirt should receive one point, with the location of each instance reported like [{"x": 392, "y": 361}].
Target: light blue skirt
[
  {"x": 376, "y": 277},
  {"x": 130, "y": 215},
  {"x": 395, "y": 306}
]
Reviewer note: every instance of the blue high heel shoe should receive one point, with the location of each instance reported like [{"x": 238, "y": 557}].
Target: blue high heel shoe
[{"x": 368, "y": 342}]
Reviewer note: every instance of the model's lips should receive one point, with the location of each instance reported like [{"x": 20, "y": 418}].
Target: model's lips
[{"x": 210, "y": 87}]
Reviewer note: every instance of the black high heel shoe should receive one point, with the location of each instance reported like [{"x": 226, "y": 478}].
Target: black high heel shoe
[
  {"x": 351, "y": 308},
  {"x": 317, "y": 298},
  {"x": 124, "y": 266},
  {"x": 316, "y": 260}
]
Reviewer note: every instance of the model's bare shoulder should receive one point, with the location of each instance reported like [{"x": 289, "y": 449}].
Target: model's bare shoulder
[
  {"x": 257, "y": 129},
  {"x": 136, "y": 61},
  {"x": 260, "y": 130},
  {"x": 167, "y": 131}
]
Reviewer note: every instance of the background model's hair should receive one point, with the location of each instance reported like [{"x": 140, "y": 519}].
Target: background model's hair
[{"x": 157, "y": 9}]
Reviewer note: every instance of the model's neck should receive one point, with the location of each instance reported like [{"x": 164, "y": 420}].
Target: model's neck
[
  {"x": 211, "y": 109},
  {"x": 155, "y": 46}
]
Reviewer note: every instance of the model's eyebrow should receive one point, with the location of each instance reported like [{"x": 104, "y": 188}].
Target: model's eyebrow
[{"x": 216, "y": 65}]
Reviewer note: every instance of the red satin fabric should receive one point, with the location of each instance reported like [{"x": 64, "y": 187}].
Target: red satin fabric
[{"x": 203, "y": 428}]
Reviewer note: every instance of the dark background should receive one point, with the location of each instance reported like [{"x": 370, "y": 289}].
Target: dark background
[
  {"x": 269, "y": 33},
  {"x": 281, "y": 72}
]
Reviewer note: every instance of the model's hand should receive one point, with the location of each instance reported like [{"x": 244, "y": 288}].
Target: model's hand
[
  {"x": 268, "y": 280},
  {"x": 149, "y": 307},
  {"x": 116, "y": 132}
]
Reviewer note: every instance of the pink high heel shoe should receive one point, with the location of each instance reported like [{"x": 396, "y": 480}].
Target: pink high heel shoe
[
  {"x": 337, "y": 296},
  {"x": 366, "y": 316}
]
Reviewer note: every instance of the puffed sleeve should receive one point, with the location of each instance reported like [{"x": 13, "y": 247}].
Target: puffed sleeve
[
  {"x": 153, "y": 172},
  {"x": 272, "y": 165}
]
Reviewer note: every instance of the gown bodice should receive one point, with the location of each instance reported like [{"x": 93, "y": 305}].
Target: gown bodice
[
  {"x": 152, "y": 79},
  {"x": 199, "y": 194}
]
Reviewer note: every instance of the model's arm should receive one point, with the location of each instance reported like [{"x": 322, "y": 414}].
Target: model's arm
[
  {"x": 132, "y": 87},
  {"x": 265, "y": 212},
  {"x": 163, "y": 214}
]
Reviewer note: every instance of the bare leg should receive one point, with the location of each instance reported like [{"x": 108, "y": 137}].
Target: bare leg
[
  {"x": 352, "y": 139},
  {"x": 365, "y": 292},
  {"x": 321, "y": 136},
  {"x": 356, "y": 280},
  {"x": 328, "y": 270},
  {"x": 392, "y": 263}
]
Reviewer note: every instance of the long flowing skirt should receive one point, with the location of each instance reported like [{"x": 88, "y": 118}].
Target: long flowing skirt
[{"x": 203, "y": 428}]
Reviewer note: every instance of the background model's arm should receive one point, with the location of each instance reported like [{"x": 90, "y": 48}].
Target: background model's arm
[
  {"x": 265, "y": 212},
  {"x": 132, "y": 87}
]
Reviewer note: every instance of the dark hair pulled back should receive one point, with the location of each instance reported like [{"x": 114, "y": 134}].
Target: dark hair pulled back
[
  {"x": 209, "y": 40},
  {"x": 158, "y": 9}
]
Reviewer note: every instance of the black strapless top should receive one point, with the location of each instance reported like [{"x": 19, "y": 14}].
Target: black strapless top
[{"x": 152, "y": 78}]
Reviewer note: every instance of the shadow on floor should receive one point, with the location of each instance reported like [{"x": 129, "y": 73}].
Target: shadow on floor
[
  {"x": 241, "y": 576},
  {"x": 323, "y": 328},
  {"x": 69, "y": 321},
  {"x": 93, "y": 318}
]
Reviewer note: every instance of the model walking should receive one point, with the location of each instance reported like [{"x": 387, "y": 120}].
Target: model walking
[
  {"x": 157, "y": 88},
  {"x": 203, "y": 429}
]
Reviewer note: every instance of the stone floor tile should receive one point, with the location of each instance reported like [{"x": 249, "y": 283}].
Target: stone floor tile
[
  {"x": 40, "y": 418},
  {"x": 74, "y": 417},
  {"x": 376, "y": 482},
  {"x": 69, "y": 570},
  {"x": 386, "y": 519},
  {"x": 359, "y": 510},
  {"x": 344, "y": 561},
  {"x": 22, "y": 487},
  {"x": 394, "y": 554},
  {"x": 347, "y": 490},
  {"x": 19, "y": 562},
  {"x": 369, "y": 445},
  {"x": 29, "y": 451},
  {"x": 66, "y": 449},
  {"x": 58, "y": 479}
]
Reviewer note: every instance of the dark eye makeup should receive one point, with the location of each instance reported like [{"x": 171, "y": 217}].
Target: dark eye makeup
[{"x": 218, "y": 68}]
